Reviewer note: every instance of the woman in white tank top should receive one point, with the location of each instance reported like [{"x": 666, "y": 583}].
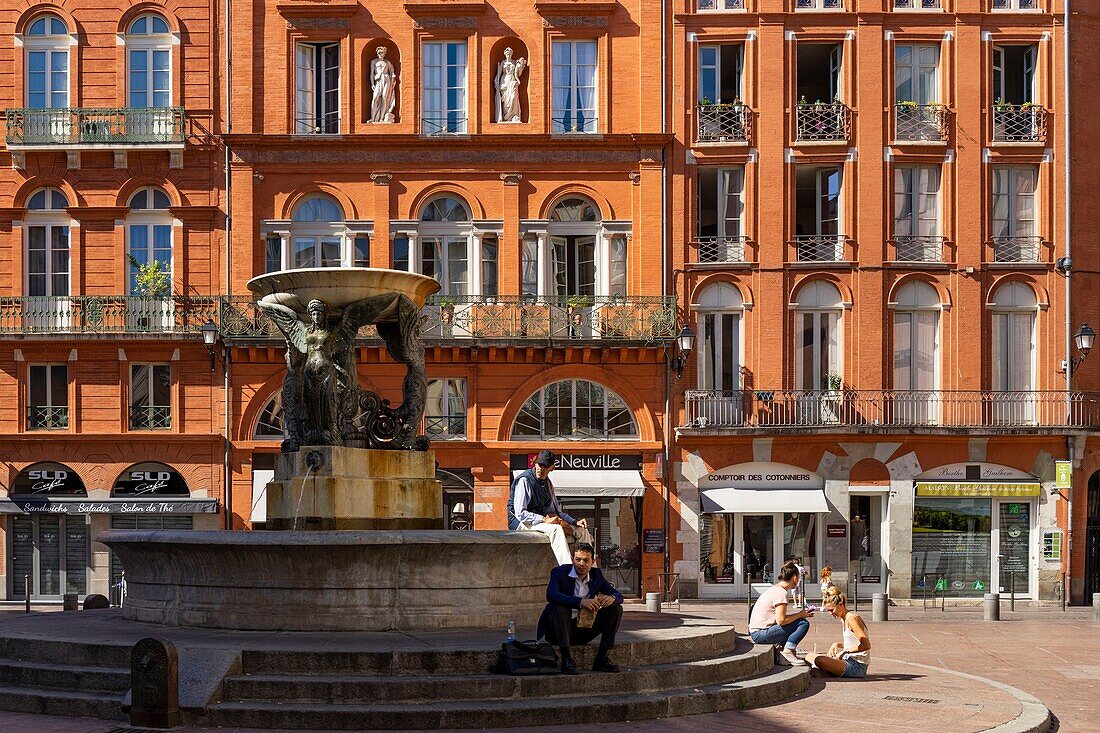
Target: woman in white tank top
[{"x": 852, "y": 656}]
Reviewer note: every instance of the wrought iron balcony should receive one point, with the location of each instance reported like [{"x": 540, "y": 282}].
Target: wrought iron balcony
[
  {"x": 717, "y": 250},
  {"x": 918, "y": 248},
  {"x": 150, "y": 417},
  {"x": 1024, "y": 124},
  {"x": 920, "y": 122},
  {"x": 819, "y": 248},
  {"x": 1017, "y": 249},
  {"x": 444, "y": 427},
  {"x": 106, "y": 314},
  {"x": 90, "y": 126},
  {"x": 42, "y": 417},
  {"x": 890, "y": 409},
  {"x": 916, "y": 4},
  {"x": 823, "y": 122},
  {"x": 449, "y": 125},
  {"x": 724, "y": 123},
  {"x": 721, "y": 4},
  {"x": 573, "y": 124}
]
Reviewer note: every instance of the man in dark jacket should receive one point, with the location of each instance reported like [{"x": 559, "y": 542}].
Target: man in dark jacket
[{"x": 575, "y": 587}]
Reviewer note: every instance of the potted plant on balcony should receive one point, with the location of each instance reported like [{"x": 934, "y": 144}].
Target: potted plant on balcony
[
  {"x": 152, "y": 288},
  {"x": 832, "y": 400},
  {"x": 579, "y": 314}
]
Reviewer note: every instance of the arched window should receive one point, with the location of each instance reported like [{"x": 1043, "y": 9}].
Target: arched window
[
  {"x": 575, "y": 208},
  {"x": 579, "y": 257},
  {"x": 47, "y": 44},
  {"x": 916, "y": 352},
  {"x": 574, "y": 409},
  {"x": 817, "y": 337},
  {"x": 319, "y": 236},
  {"x": 47, "y": 258},
  {"x": 448, "y": 246},
  {"x": 269, "y": 426},
  {"x": 149, "y": 246},
  {"x": 720, "y": 309},
  {"x": 148, "y": 63},
  {"x": 1013, "y": 319}
]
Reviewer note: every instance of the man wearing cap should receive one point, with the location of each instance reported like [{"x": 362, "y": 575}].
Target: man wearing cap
[{"x": 535, "y": 506}]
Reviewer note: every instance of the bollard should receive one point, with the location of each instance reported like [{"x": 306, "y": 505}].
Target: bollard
[
  {"x": 653, "y": 602},
  {"x": 992, "y": 607},
  {"x": 880, "y": 607},
  {"x": 1096, "y": 606},
  {"x": 69, "y": 602},
  {"x": 27, "y": 591}
]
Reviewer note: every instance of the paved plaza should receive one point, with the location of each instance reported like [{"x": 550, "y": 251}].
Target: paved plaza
[{"x": 944, "y": 671}]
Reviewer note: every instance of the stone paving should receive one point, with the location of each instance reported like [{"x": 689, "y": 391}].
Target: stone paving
[{"x": 931, "y": 671}]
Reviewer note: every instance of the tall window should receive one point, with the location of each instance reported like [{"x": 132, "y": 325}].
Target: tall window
[
  {"x": 150, "y": 397},
  {"x": 917, "y": 213},
  {"x": 47, "y": 258},
  {"x": 1014, "y": 190},
  {"x": 577, "y": 257},
  {"x": 720, "y": 308},
  {"x": 1014, "y": 307},
  {"x": 817, "y": 334},
  {"x": 574, "y": 86},
  {"x": 1014, "y": 76},
  {"x": 915, "y": 73},
  {"x": 721, "y": 201},
  {"x": 449, "y": 247},
  {"x": 317, "y": 89},
  {"x": 916, "y": 337},
  {"x": 720, "y": 74},
  {"x": 318, "y": 236},
  {"x": 444, "y": 102},
  {"x": 47, "y": 48},
  {"x": 269, "y": 426},
  {"x": 445, "y": 411},
  {"x": 149, "y": 240},
  {"x": 574, "y": 410},
  {"x": 48, "y": 397},
  {"x": 148, "y": 58}
]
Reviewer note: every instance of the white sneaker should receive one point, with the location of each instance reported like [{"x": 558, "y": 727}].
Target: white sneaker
[{"x": 793, "y": 659}]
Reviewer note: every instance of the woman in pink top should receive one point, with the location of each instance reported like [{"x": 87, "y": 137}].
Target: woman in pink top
[{"x": 770, "y": 623}]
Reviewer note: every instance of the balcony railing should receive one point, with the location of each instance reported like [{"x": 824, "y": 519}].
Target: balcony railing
[
  {"x": 877, "y": 409},
  {"x": 916, "y": 4},
  {"x": 715, "y": 250},
  {"x": 1017, "y": 249},
  {"x": 823, "y": 121},
  {"x": 47, "y": 418},
  {"x": 819, "y": 5},
  {"x": 918, "y": 248},
  {"x": 573, "y": 124},
  {"x": 87, "y": 126},
  {"x": 724, "y": 123},
  {"x": 449, "y": 125},
  {"x": 150, "y": 417},
  {"x": 819, "y": 248},
  {"x": 920, "y": 122},
  {"x": 444, "y": 427},
  {"x": 721, "y": 4},
  {"x": 1022, "y": 124},
  {"x": 106, "y": 314}
]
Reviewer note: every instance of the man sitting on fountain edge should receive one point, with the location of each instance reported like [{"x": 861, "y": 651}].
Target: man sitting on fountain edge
[
  {"x": 574, "y": 587},
  {"x": 535, "y": 506}
]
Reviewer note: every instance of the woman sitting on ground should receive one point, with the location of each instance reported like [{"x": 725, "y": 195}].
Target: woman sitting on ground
[
  {"x": 850, "y": 657},
  {"x": 770, "y": 623}
]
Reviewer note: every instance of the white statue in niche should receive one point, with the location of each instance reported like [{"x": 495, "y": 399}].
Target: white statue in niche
[
  {"x": 507, "y": 85},
  {"x": 383, "y": 82}
]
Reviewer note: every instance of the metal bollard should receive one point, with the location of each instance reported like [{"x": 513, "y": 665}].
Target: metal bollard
[
  {"x": 992, "y": 607},
  {"x": 1096, "y": 606},
  {"x": 27, "y": 591},
  {"x": 880, "y": 607},
  {"x": 653, "y": 602}
]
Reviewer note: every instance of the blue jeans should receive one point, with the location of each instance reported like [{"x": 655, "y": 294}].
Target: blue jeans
[
  {"x": 852, "y": 668},
  {"x": 788, "y": 635}
]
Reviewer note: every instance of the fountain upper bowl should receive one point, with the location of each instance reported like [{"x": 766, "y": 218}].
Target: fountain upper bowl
[{"x": 340, "y": 286}]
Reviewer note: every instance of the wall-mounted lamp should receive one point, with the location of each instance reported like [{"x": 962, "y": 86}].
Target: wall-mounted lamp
[
  {"x": 1083, "y": 340},
  {"x": 209, "y": 332},
  {"x": 685, "y": 342}
]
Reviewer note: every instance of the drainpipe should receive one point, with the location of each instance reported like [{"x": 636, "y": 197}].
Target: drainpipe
[
  {"x": 666, "y": 223},
  {"x": 1068, "y": 266},
  {"x": 227, "y": 477}
]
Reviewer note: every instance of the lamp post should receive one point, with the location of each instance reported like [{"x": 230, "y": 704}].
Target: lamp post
[
  {"x": 209, "y": 331},
  {"x": 1083, "y": 340},
  {"x": 685, "y": 342}
]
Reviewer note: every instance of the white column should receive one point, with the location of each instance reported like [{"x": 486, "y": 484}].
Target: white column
[
  {"x": 603, "y": 262},
  {"x": 284, "y": 247},
  {"x": 473, "y": 246},
  {"x": 414, "y": 252},
  {"x": 543, "y": 253}
]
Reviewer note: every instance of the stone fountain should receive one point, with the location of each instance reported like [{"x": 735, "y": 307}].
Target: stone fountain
[{"x": 360, "y": 544}]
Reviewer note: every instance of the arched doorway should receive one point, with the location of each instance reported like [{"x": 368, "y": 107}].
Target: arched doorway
[
  {"x": 1092, "y": 539},
  {"x": 48, "y": 551}
]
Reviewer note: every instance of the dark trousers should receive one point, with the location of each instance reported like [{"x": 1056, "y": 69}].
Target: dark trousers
[{"x": 563, "y": 631}]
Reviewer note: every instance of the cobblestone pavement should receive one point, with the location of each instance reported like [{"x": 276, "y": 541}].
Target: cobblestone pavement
[{"x": 931, "y": 671}]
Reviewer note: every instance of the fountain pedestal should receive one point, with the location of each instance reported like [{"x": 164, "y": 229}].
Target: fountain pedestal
[{"x": 337, "y": 487}]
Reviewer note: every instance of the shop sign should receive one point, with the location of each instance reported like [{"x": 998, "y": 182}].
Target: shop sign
[
  {"x": 653, "y": 540},
  {"x": 975, "y": 472},
  {"x": 986, "y": 488},
  {"x": 1063, "y": 474},
  {"x": 582, "y": 461},
  {"x": 870, "y": 579},
  {"x": 52, "y": 479},
  {"x": 836, "y": 530},
  {"x": 148, "y": 480},
  {"x": 109, "y": 506},
  {"x": 761, "y": 474}
]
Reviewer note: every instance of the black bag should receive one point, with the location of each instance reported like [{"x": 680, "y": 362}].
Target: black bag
[{"x": 526, "y": 657}]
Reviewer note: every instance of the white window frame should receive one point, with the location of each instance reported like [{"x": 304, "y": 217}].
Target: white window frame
[
  {"x": 807, "y": 306},
  {"x": 450, "y": 387},
  {"x": 48, "y": 386},
  {"x": 1012, "y": 225},
  {"x": 916, "y": 195},
  {"x": 49, "y": 45},
  {"x": 1014, "y": 6},
  {"x": 821, "y": 194},
  {"x": 917, "y": 70},
  {"x": 49, "y": 219},
  {"x": 907, "y": 315},
  {"x": 435, "y": 121},
  {"x": 573, "y": 111},
  {"x": 1004, "y": 318},
  {"x": 151, "y": 368},
  {"x": 712, "y": 336},
  {"x": 306, "y": 91},
  {"x": 716, "y": 66},
  {"x": 149, "y": 44},
  {"x": 149, "y": 219}
]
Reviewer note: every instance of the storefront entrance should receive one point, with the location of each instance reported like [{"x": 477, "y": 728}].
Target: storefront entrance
[
  {"x": 739, "y": 550},
  {"x": 867, "y": 535},
  {"x": 51, "y": 551},
  {"x": 614, "y": 524},
  {"x": 1092, "y": 539}
]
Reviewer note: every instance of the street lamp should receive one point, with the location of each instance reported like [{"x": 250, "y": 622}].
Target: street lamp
[
  {"x": 1083, "y": 339},
  {"x": 685, "y": 342},
  {"x": 209, "y": 331}
]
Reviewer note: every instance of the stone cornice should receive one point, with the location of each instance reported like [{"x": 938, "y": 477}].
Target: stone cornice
[
  {"x": 94, "y": 213},
  {"x": 317, "y": 10},
  {"x": 573, "y": 7},
  {"x": 12, "y": 214},
  {"x": 426, "y": 7}
]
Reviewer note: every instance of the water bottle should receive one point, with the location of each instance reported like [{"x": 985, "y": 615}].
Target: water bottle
[{"x": 511, "y": 630}]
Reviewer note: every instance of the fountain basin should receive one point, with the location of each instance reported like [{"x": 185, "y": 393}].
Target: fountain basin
[
  {"x": 339, "y": 286},
  {"x": 412, "y": 580}
]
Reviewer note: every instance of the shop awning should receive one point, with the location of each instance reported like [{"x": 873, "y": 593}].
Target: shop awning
[
  {"x": 82, "y": 505},
  {"x": 763, "y": 501},
  {"x": 571, "y": 482}
]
